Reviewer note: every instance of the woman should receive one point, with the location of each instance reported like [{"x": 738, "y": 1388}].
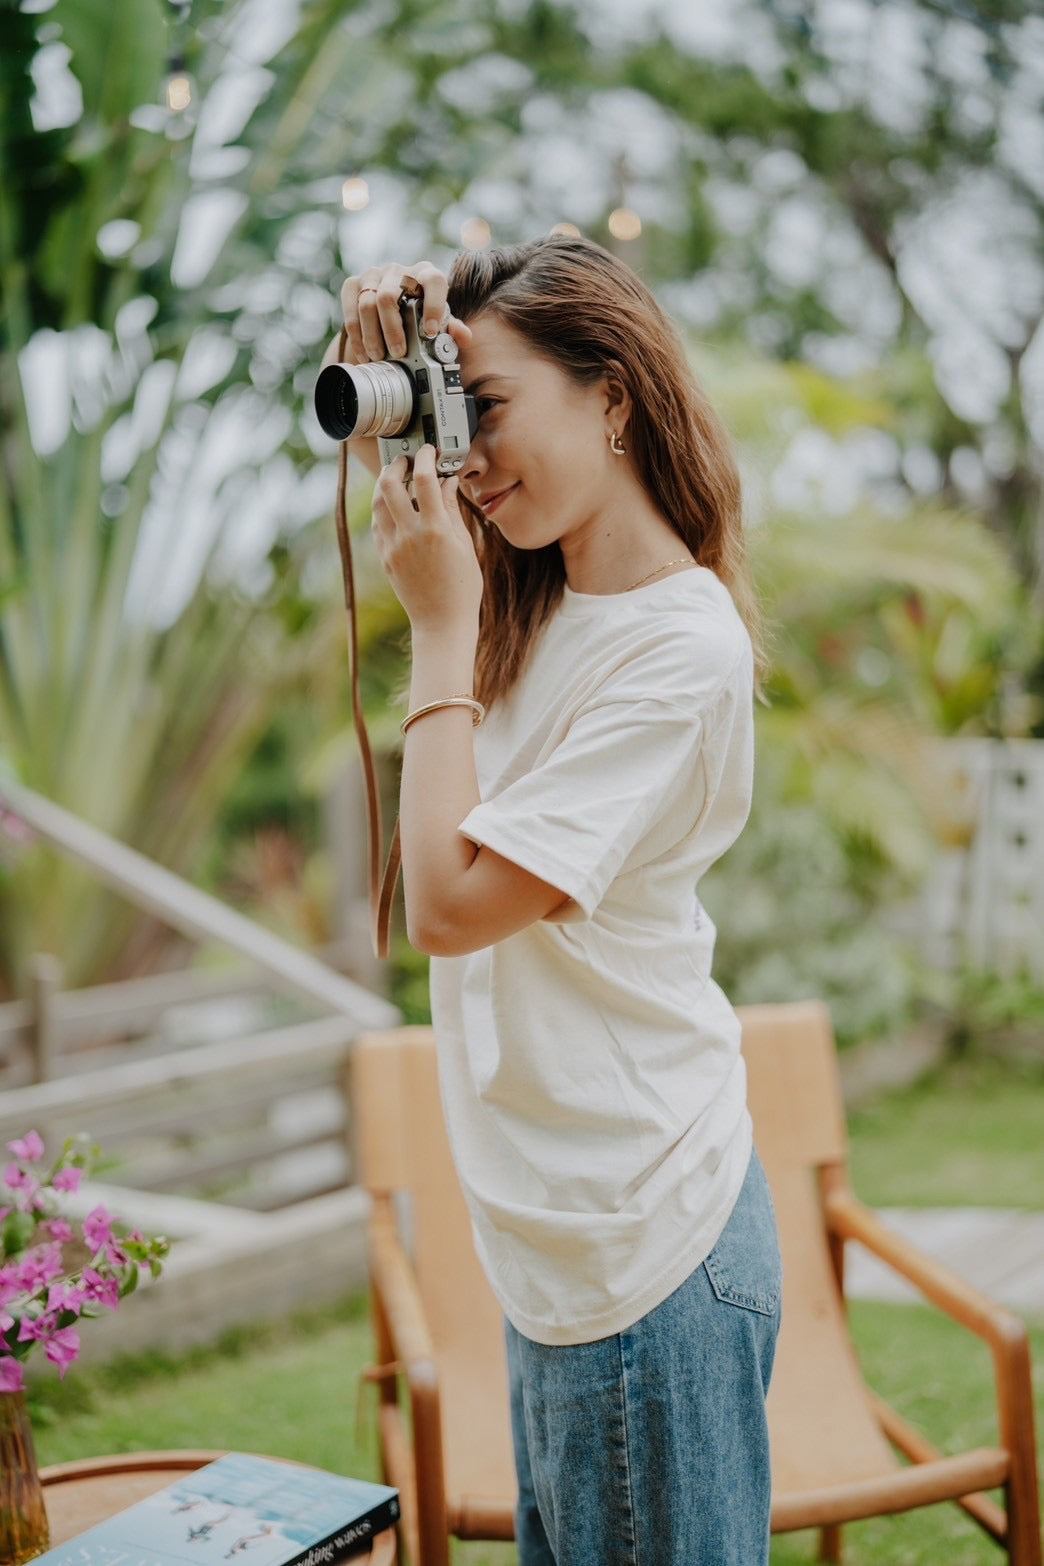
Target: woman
[{"x": 581, "y": 581}]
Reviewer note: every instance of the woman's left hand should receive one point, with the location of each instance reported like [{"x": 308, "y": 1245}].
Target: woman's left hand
[{"x": 425, "y": 546}]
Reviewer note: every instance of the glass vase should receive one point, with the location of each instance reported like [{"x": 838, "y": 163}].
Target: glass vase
[{"x": 23, "y": 1520}]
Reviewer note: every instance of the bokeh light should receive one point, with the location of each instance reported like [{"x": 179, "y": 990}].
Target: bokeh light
[
  {"x": 569, "y": 229},
  {"x": 624, "y": 224},
  {"x": 475, "y": 234},
  {"x": 355, "y": 194},
  {"x": 179, "y": 92}
]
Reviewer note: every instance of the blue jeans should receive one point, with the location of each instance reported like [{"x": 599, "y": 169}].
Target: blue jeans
[{"x": 650, "y": 1448}]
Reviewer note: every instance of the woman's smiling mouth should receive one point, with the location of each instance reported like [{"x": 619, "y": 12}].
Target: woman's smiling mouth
[{"x": 490, "y": 503}]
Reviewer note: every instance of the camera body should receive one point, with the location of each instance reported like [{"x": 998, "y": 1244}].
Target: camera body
[{"x": 405, "y": 403}]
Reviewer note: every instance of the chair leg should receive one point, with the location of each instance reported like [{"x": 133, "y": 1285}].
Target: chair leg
[
  {"x": 1015, "y": 1396},
  {"x": 830, "y": 1543},
  {"x": 1024, "y": 1540}
]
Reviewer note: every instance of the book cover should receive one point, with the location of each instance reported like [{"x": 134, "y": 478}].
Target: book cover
[{"x": 239, "y": 1508}]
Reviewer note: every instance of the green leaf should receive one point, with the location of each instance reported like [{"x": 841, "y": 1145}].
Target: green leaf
[{"x": 17, "y": 1233}]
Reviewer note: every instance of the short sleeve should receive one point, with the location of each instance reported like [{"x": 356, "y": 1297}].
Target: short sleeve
[{"x": 574, "y": 819}]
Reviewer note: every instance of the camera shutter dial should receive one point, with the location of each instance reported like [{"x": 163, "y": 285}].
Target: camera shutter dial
[{"x": 444, "y": 348}]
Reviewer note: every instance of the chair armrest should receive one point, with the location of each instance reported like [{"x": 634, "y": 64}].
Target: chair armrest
[
  {"x": 1007, "y": 1337},
  {"x": 395, "y": 1285},
  {"x": 850, "y": 1219}
]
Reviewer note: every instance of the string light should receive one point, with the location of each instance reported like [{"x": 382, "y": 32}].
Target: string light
[
  {"x": 624, "y": 224},
  {"x": 355, "y": 194},
  {"x": 475, "y": 234}
]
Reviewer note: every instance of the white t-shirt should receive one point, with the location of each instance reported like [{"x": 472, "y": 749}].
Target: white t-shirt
[{"x": 590, "y": 1068}]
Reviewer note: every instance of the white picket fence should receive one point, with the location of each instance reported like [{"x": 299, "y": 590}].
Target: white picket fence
[{"x": 984, "y": 904}]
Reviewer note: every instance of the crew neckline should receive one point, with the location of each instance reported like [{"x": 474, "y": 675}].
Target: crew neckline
[{"x": 578, "y": 603}]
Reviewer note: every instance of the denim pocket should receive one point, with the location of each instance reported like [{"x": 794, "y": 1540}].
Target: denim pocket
[{"x": 744, "y": 1267}]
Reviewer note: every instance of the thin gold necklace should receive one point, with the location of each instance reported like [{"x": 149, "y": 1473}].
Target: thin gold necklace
[{"x": 686, "y": 560}]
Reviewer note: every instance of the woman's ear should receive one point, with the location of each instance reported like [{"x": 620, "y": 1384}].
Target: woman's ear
[{"x": 617, "y": 398}]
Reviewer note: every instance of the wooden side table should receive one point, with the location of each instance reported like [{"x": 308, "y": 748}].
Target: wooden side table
[{"x": 86, "y": 1492}]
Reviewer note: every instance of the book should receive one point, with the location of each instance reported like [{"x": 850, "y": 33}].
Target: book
[{"x": 239, "y": 1508}]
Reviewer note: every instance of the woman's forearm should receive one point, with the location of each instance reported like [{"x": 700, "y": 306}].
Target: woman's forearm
[{"x": 439, "y": 786}]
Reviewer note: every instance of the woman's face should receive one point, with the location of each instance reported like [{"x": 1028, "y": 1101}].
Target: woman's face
[{"x": 539, "y": 466}]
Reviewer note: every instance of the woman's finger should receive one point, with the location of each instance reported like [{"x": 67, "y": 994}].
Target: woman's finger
[
  {"x": 389, "y": 314},
  {"x": 449, "y": 488},
  {"x": 351, "y": 289},
  {"x": 434, "y": 286},
  {"x": 425, "y": 479},
  {"x": 459, "y": 331},
  {"x": 390, "y": 493}
]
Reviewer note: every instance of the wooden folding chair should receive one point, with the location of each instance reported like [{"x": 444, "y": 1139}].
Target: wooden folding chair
[
  {"x": 443, "y": 1414},
  {"x": 833, "y": 1439}
]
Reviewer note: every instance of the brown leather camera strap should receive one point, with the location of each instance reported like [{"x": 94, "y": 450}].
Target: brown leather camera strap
[{"x": 382, "y": 884}]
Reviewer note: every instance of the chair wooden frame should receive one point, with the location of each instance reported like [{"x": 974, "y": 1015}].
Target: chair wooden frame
[{"x": 442, "y": 1405}]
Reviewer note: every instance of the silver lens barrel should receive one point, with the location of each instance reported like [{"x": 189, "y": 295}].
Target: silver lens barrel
[{"x": 364, "y": 399}]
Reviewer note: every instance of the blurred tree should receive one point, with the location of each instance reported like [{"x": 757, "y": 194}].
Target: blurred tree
[
  {"x": 887, "y": 632},
  {"x": 138, "y": 663},
  {"x": 835, "y": 183},
  {"x": 169, "y": 276}
]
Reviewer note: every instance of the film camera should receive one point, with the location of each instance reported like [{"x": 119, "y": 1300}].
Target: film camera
[{"x": 406, "y": 403}]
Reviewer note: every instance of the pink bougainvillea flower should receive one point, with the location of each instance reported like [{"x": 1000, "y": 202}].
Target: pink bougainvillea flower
[
  {"x": 29, "y": 1147},
  {"x": 97, "y": 1229},
  {"x": 39, "y": 1267},
  {"x": 62, "y": 1347},
  {"x": 7, "y": 1321},
  {"x": 58, "y": 1229},
  {"x": 68, "y": 1179},
  {"x": 98, "y": 1290},
  {"x": 116, "y": 1255},
  {"x": 4, "y": 1211},
  {"x": 32, "y": 1328},
  {"x": 65, "y": 1296},
  {"x": 12, "y": 1377},
  {"x": 9, "y": 1284},
  {"x": 18, "y": 1179}
]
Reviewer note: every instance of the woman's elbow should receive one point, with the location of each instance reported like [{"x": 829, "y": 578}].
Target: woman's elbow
[{"x": 439, "y": 934}]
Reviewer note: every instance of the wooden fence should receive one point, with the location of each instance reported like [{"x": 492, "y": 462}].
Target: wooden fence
[{"x": 221, "y": 1101}]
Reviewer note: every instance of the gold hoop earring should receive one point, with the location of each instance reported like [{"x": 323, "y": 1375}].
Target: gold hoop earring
[{"x": 616, "y": 445}]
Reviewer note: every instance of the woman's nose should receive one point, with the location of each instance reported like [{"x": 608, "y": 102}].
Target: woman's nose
[{"x": 475, "y": 463}]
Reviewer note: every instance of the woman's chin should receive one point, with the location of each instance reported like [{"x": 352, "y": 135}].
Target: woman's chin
[{"x": 525, "y": 538}]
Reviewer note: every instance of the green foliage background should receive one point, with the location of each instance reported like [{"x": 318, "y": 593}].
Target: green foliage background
[{"x": 189, "y": 267}]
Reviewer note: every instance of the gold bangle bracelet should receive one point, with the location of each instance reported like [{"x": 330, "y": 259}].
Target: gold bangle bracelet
[{"x": 478, "y": 712}]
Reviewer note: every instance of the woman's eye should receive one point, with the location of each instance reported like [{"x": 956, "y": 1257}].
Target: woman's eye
[{"x": 484, "y": 404}]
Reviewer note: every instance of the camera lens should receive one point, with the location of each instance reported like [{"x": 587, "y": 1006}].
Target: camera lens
[{"x": 364, "y": 399}]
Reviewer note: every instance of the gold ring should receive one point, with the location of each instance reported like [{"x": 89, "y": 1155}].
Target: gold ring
[{"x": 368, "y": 291}]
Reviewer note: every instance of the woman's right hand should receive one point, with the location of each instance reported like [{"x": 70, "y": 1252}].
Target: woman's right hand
[
  {"x": 370, "y": 303},
  {"x": 373, "y": 323}
]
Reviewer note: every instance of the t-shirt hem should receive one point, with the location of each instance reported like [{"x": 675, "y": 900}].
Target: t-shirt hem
[{"x": 590, "y": 1329}]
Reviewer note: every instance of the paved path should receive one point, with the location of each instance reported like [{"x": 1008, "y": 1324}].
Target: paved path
[{"x": 1000, "y": 1251}]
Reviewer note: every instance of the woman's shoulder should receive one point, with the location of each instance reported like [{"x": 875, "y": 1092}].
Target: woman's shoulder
[{"x": 681, "y": 641}]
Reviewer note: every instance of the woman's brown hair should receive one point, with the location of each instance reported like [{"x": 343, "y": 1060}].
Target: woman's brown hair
[{"x": 585, "y": 309}]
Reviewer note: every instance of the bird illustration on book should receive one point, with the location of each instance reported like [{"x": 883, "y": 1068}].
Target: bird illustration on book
[
  {"x": 204, "y": 1530},
  {"x": 248, "y": 1540}
]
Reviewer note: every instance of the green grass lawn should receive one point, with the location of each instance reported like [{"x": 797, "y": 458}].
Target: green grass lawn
[
  {"x": 968, "y": 1135},
  {"x": 294, "y": 1392}
]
